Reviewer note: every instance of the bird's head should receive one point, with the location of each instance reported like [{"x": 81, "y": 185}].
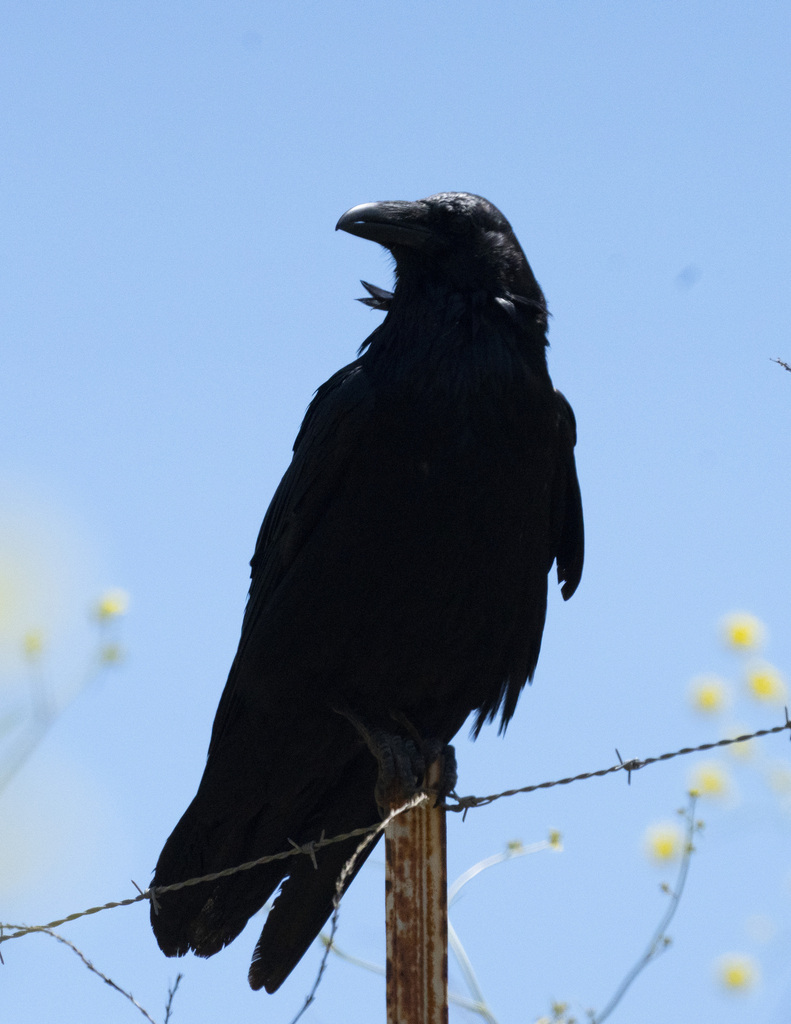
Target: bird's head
[{"x": 450, "y": 240}]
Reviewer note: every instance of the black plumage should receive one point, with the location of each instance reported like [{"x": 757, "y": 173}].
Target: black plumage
[{"x": 401, "y": 569}]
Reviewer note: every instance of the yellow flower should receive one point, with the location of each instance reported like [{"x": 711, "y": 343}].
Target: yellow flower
[
  {"x": 710, "y": 778},
  {"x": 743, "y": 631},
  {"x": 112, "y": 603},
  {"x": 708, "y": 694},
  {"x": 33, "y": 644},
  {"x": 737, "y": 972},
  {"x": 765, "y": 683},
  {"x": 664, "y": 842}
]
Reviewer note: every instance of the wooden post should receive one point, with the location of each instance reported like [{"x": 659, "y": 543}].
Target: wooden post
[{"x": 417, "y": 913}]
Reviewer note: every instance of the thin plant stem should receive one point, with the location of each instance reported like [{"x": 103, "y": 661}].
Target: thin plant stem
[{"x": 659, "y": 940}]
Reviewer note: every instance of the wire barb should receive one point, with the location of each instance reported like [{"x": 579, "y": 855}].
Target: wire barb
[
  {"x": 633, "y": 765},
  {"x": 309, "y": 849}
]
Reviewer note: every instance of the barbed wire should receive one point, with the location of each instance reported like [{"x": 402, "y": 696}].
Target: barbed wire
[
  {"x": 152, "y": 894},
  {"x": 464, "y": 803},
  {"x": 461, "y": 804}
]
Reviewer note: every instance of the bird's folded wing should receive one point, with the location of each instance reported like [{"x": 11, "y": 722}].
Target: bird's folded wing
[
  {"x": 570, "y": 545},
  {"x": 333, "y": 425}
]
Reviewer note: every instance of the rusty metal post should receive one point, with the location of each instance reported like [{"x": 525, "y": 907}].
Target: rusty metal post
[{"x": 417, "y": 913}]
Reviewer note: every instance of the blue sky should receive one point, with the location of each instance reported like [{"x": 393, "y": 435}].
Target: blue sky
[{"x": 173, "y": 292}]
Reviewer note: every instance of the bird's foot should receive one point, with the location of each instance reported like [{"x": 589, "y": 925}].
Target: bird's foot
[
  {"x": 441, "y": 781},
  {"x": 402, "y": 769},
  {"x": 447, "y": 776},
  {"x": 405, "y": 763}
]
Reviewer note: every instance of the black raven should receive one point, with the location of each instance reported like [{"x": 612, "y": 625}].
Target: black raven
[{"x": 399, "y": 581}]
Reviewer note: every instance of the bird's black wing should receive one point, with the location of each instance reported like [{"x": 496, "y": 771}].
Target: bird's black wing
[
  {"x": 258, "y": 790},
  {"x": 333, "y": 424},
  {"x": 570, "y": 544}
]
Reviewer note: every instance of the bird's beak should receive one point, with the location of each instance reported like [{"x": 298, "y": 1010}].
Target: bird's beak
[{"x": 396, "y": 223}]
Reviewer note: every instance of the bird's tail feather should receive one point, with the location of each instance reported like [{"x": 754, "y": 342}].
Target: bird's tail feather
[
  {"x": 302, "y": 907},
  {"x": 210, "y": 838},
  {"x": 208, "y": 916}
]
